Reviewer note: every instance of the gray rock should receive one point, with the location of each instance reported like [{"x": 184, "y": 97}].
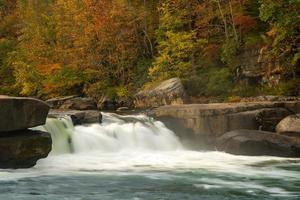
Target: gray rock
[
  {"x": 22, "y": 149},
  {"x": 169, "y": 92},
  {"x": 268, "y": 118},
  {"x": 289, "y": 126},
  {"x": 258, "y": 143},
  {"x": 17, "y": 113},
  {"x": 78, "y": 117},
  {"x": 210, "y": 121}
]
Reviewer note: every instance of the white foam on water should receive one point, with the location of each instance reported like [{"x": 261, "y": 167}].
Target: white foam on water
[{"x": 138, "y": 144}]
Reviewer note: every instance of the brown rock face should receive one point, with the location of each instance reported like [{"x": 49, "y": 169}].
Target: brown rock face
[
  {"x": 258, "y": 143},
  {"x": 289, "y": 126},
  {"x": 22, "y": 149},
  {"x": 17, "y": 113},
  {"x": 169, "y": 92}
]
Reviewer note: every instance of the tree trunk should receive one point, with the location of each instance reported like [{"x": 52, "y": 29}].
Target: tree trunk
[
  {"x": 223, "y": 19},
  {"x": 236, "y": 37}
]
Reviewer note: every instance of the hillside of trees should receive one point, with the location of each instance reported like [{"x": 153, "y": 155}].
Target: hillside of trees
[{"x": 54, "y": 48}]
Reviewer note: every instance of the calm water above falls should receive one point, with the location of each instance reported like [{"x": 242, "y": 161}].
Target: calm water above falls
[{"x": 134, "y": 157}]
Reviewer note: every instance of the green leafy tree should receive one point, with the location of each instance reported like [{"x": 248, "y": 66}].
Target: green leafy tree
[
  {"x": 8, "y": 43},
  {"x": 284, "y": 20},
  {"x": 177, "y": 42}
]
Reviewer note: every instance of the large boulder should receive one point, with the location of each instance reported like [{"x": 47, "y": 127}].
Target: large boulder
[
  {"x": 73, "y": 103},
  {"x": 268, "y": 118},
  {"x": 19, "y": 113},
  {"x": 289, "y": 126},
  {"x": 22, "y": 149},
  {"x": 258, "y": 143},
  {"x": 78, "y": 117},
  {"x": 169, "y": 92}
]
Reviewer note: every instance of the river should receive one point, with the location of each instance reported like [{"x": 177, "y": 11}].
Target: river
[{"x": 136, "y": 157}]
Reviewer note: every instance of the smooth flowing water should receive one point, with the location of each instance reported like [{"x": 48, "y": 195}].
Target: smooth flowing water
[{"x": 135, "y": 157}]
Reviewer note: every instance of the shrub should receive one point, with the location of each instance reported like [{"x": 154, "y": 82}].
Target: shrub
[{"x": 220, "y": 82}]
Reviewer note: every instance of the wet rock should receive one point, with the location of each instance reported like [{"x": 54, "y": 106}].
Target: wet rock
[
  {"x": 22, "y": 149},
  {"x": 169, "y": 92},
  {"x": 289, "y": 126},
  {"x": 19, "y": 113},
  {"x": 78, "y": 117},
  {"x": 258, "y": 143}
]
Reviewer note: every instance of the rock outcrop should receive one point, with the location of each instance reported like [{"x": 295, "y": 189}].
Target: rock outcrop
[
  {"x": 23, "y": 148},
  {"x": 19, "y": 146},
  {"x": 207, "y": 122},
  {"x": 73, "y": 103},
  {"x": 289, "y": 126},
  {"x": 19, "y": 113},
  {"x": 78, "y": 117},
  {"x": 258, "y": 143},
  {"x": 256, "y": 66},
  {"x": 169, "y": 92}
]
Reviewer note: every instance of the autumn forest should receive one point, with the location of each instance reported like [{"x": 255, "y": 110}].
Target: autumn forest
[{"x": 219, "y": 48}]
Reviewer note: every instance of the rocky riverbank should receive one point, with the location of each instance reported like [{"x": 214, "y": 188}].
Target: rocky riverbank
[
  {"x": 20, "y": 146},
  {"x": 202, "y": 125}
]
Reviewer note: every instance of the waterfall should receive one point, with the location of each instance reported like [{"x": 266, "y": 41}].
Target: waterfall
[
  {"x": 62, "y": 131},
  {"x": 116, "y": 133}
]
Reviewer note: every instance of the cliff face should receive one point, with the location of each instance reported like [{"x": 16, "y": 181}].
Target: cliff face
[{"x": 257, "y": 67}]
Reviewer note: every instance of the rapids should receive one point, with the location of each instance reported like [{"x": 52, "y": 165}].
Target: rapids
[{"x": 136, "y": 157}]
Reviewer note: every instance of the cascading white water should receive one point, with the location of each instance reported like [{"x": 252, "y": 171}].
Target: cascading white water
[
  {"x": 62, "y": 131},
  {"x": 116, "y": 133},
  {"x": 136, "y": 157}
]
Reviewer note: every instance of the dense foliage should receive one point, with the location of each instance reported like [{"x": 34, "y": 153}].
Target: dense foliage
[{"x": 115, "y": 47}]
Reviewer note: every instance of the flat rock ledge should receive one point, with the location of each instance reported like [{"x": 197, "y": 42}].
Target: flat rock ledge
[
  {"x": 19, "y": 113},
  {"x": 203, "y": 124},
  {"x": 21, "y": 147}
]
